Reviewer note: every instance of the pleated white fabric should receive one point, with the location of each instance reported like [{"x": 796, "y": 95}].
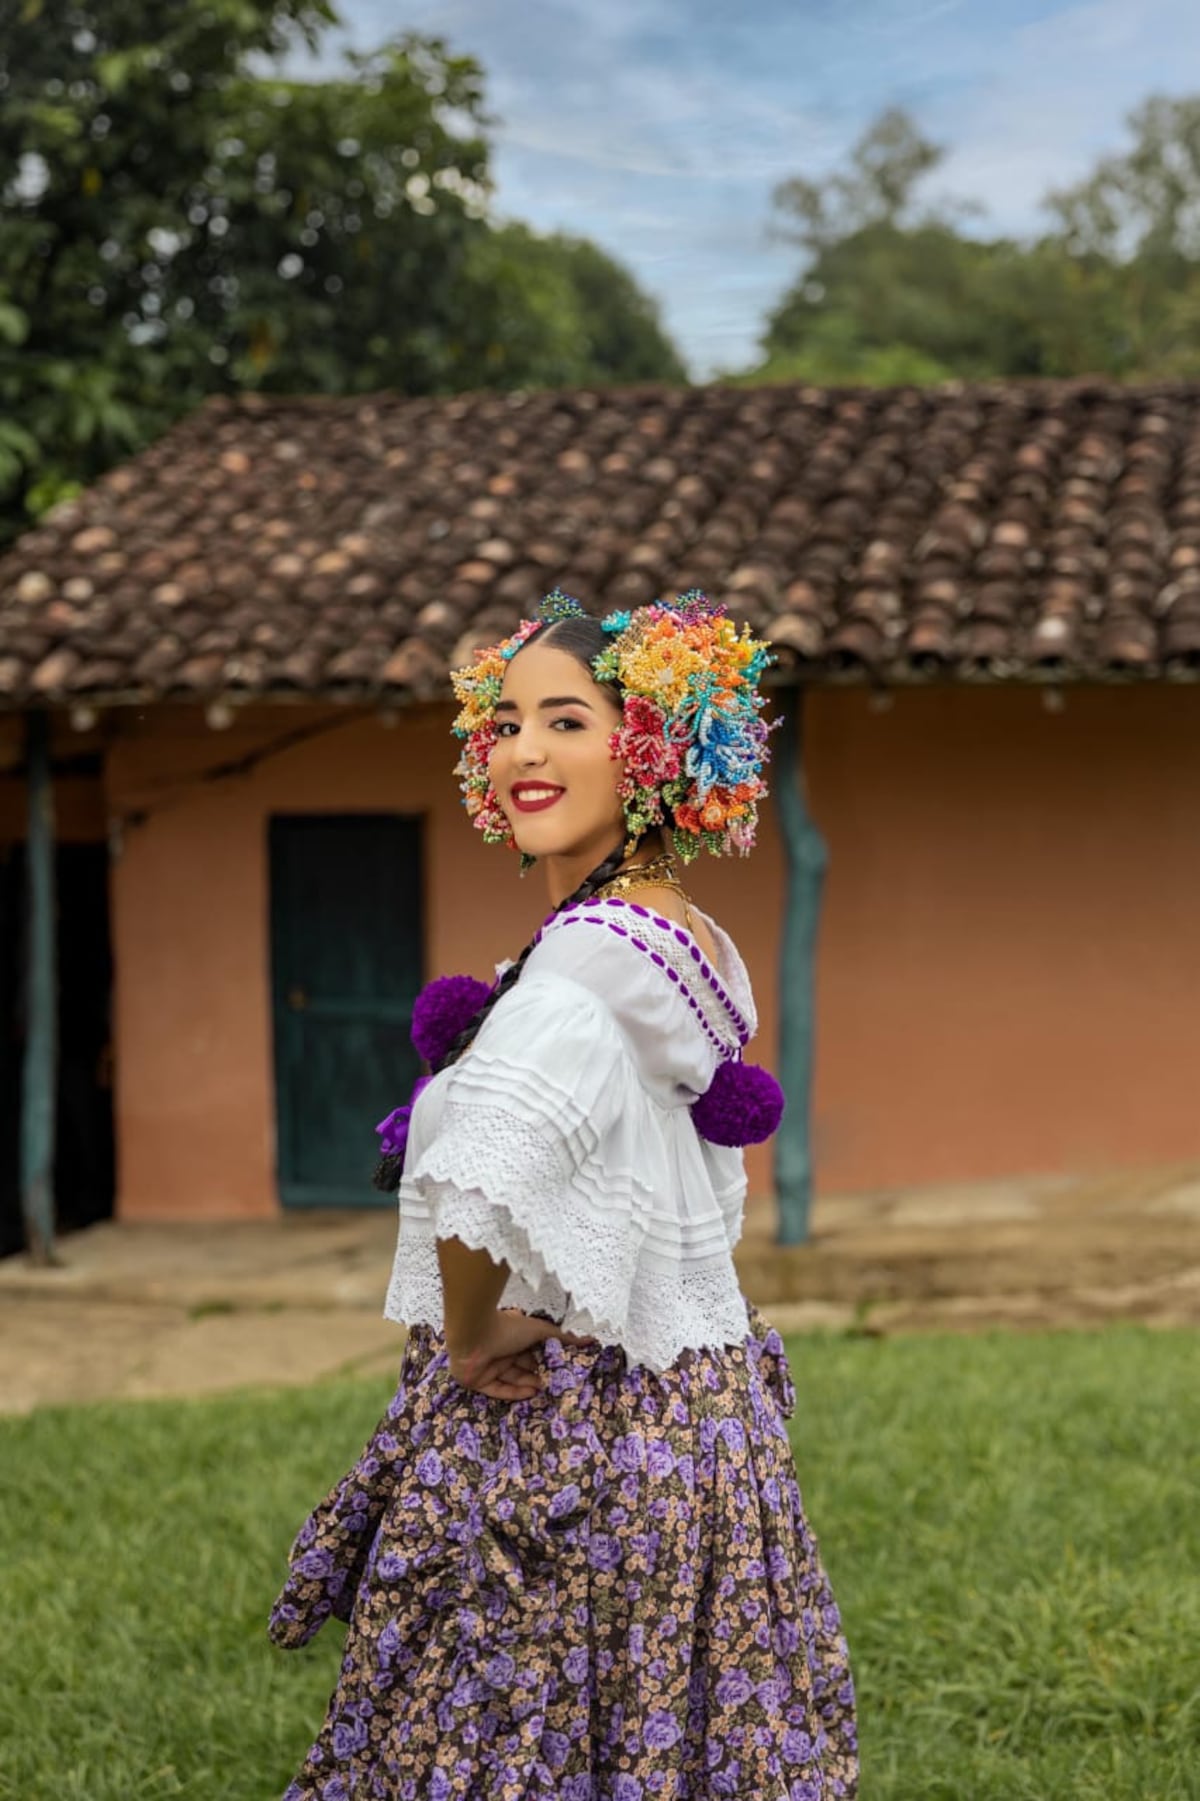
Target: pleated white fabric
[{"x": 562, "y": 1142}]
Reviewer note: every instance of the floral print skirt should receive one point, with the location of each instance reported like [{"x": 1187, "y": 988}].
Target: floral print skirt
[{"x": 605, "y": 1593}]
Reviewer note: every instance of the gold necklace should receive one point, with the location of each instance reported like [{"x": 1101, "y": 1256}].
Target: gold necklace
[{"x": 659, "y": 872}]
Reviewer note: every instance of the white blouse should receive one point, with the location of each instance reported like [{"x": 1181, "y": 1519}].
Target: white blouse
[{"x": 562, "y": 1142}]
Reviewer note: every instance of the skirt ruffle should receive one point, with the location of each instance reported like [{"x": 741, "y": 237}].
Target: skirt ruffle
[{"x": 607, "y": 1593}]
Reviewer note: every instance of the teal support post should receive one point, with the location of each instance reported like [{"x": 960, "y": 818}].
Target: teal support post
[
  {"x": 41, "y": 1009},
  {"x": 806, "y": 858}
]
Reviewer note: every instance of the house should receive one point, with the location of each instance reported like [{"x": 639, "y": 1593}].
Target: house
[{"x": 227, "y": 666}]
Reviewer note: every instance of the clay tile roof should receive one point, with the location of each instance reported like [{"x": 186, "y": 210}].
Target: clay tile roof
[{"x": 358, "y": 547}]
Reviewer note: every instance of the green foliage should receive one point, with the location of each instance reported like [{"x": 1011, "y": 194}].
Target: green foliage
[
  {"x": 1137, "y": 219},
  {"x": 328, "y": 254},
  {"x": 561, "y": 314},
  {"x": 888, "y": 293},
  {"x": 1009, "y": 1523},
  {"x": 175, "y": 223},
  {"x": 110, "y": 114},
  {"x": 1145, "y": 203},
  {"x": 877, "y": 186},
  {"x": 618, "y": 324}
]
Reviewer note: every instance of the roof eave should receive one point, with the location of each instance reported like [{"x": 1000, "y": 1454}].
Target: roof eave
[{"x": 785, "y": 675}]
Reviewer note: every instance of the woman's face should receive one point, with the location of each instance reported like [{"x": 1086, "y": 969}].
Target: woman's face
[{"x": 552, "y": 769}]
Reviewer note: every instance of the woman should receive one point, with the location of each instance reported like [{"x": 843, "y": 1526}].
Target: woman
[{"x": 573, "y": 1557}]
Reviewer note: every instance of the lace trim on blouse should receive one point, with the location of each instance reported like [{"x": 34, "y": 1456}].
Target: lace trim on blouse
[
  {"x": 586, "y": 1243},
  {"x": 562, "y": 1143}
]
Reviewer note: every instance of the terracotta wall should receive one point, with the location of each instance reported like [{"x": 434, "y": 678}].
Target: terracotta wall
[
  {"x": 79, "y": 814},
  {"x": 195, "y": 1101},
  {"x": 1009, "y": 960},
  {"x": 1010, "y": 964}
]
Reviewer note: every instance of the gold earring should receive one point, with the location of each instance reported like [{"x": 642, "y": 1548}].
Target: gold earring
[{"x": 631, "y": 844}]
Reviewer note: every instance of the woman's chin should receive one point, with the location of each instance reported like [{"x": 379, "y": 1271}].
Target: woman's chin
[
  {"x": 543, "y": 838},
  {"x": 535, "y": 837},
  {"x": 540, "y": 844}
]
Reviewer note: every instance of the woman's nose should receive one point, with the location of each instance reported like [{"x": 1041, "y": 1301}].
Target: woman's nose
[{"x": 529, "y": 749}]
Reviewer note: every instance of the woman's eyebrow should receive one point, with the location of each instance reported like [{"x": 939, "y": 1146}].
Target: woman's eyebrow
[{"x": 554, "y": 700}]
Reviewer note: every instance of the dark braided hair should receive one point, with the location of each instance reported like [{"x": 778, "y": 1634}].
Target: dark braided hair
[
  {"x": 390, "y": 1167},
  {"x": 582, "y": 638},
  {"x": 590, "y": 885}
]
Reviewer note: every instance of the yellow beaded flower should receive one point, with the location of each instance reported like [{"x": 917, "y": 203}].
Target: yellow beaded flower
[{"x": 691, "y": 739}]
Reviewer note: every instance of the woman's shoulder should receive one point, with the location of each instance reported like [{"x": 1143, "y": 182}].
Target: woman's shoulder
[
  {"x": 667, "y": 903},
  {"x": 636, "y": 959}
]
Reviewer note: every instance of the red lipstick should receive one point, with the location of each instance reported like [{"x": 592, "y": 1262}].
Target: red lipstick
[{"x": 534, "y": 797}]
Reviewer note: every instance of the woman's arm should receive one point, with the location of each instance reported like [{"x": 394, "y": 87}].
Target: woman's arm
[
  {"x": 472, "y": 1285},
  {"x": 492, "y": 1349}
]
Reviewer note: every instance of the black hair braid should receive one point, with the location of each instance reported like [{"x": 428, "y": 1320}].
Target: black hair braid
[
  {"x": 584, "y": 639},
  {"x": 390, "y": 1168},
  {"x": 590, "y": 885}
]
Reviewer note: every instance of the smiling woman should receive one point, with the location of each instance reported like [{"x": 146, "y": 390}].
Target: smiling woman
[
  {"x": 553, "y": 774},
  {"x": 574, "y": 1559}
]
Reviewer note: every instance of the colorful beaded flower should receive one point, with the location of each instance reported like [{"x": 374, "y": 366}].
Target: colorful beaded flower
[
  {"x": 477, "y": 689},
  {"x": 691, "y": 738}
]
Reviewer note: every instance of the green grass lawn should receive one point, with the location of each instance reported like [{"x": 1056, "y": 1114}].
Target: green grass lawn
[{"x": 1012, "y": 1525}]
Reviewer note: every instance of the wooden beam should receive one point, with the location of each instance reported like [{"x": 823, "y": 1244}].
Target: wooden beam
[
  {"x": 806, "y": 858},
  {"x": 40, "y": 1079}
]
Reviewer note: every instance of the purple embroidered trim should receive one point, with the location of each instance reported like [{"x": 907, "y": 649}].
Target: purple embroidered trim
[{"x": 588, "y": 913}]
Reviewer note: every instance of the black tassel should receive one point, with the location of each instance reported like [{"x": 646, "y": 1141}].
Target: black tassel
[{"x": 388, "y": 1172}]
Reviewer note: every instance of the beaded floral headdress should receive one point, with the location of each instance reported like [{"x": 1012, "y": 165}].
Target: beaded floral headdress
[{"x": 691, "y": 736}]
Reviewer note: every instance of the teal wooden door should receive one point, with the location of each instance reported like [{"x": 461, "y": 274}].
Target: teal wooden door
[{"x": 346, "y": 938}]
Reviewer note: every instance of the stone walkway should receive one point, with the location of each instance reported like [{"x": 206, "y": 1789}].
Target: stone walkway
[{"x": 160, "y": 1310}]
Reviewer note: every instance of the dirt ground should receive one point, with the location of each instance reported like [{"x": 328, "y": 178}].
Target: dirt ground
[
  {"x": 1047, "y": 1253},
  {"x": 153, "y": 1310}
]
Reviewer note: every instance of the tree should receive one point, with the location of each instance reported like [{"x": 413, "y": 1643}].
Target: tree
[
  {"x": 176, "y": 223},
  {"x": 109, "y": 113},
  {"x": 332, "y": 228},
  {"x": 877, "y": 188},
  {"x": 1144, "y": 204},
  {"x": 621, "y": 327},
  {"x": 881, "y": 295},
  {"x": 889, "y": 293},
  {"x": 560, "y": 313},
  {"x": 1137, "y": 218}
]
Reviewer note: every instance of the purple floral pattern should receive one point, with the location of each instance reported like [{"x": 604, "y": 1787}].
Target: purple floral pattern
[{"x": 608, "y": 1593}]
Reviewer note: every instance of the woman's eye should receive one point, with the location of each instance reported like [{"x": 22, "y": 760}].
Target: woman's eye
[{"x": 508, "y": 728}]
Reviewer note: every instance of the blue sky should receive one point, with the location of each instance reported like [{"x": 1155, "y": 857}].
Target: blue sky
[{"x": 658, "y": 129}]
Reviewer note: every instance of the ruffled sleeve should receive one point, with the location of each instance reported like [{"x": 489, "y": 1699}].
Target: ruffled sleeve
[{"x": 562, "y": 1145}]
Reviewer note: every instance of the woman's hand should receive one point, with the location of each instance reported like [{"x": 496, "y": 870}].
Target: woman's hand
[{"x": 506, "y": 1363}]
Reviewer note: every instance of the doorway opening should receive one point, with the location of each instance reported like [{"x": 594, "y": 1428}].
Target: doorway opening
[{"x": 84, "y": 1156}]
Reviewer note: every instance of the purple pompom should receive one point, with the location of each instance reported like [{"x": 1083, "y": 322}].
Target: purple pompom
[
  {"x": 442, "y": 1010},
  {"x": 742, "y": 1105}
]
